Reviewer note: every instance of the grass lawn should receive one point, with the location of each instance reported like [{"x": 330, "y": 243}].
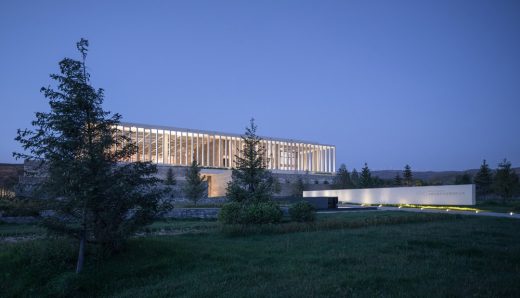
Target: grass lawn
[
  {"x": 344, "y": 254},
  {"x": 20, "y": 230}
]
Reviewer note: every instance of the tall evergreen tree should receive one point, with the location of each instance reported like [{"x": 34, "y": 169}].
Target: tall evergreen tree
[
  {"x": 194, "y": 188},
  {"x": 397, "y": 180},
  {"x": 251, "y": 182},
  {"x": 463, "y": 179},
  {"x": 506, "y": 180},
  {"x": 298, "y": 187},
  {"x": 407, "y": 176},
  {"x": 95, "y": 199},
  {"x": 342, "y": 178},
  {"x": 354, "y": 178},
  {"x": 365, "y": 180},
  {"x": 377, "y": 182},
  {"x": 170, "y": 178},
  {"x": 484, "y": 180}
]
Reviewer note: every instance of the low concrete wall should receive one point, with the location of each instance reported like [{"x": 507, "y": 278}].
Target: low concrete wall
[
  {"x": 193, "y": 213},
  {"x": 19, "y": 219},
  {"x": 420, "y": 195}
]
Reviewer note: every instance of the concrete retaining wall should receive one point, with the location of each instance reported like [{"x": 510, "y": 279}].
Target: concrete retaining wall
[
  {"x": 19, "y": 219},
  {"x": 207, "y": 213},
  {"x": 420, "y": 195}
]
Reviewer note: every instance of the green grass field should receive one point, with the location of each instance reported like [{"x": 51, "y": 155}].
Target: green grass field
[{"x": 344, "y": 254}]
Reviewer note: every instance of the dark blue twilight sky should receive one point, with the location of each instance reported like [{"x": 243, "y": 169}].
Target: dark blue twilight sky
[{"x": 435, "y": 84}]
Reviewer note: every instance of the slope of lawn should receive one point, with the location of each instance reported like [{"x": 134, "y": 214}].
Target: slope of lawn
[{"x": 443, "y": 256}]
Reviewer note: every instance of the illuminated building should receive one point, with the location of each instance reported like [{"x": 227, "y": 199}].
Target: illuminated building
[{"x": 179, "y": 147}]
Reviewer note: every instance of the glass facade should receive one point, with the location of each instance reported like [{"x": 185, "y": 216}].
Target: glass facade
[{"x": 176, "y": 146}]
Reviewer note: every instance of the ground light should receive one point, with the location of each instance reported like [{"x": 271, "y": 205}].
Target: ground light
[{"x": 511, "y": 213}]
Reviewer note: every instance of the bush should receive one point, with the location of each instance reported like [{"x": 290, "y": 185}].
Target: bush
[
  {"x": 230, "y": 212},
  {"x": 257, "y": 213},
  {"x": 15, "y": 206},
  {"x": 302, "y": 212}
]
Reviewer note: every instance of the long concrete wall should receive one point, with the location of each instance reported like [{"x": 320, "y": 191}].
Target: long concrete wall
[{"x": 420, "y": 195}]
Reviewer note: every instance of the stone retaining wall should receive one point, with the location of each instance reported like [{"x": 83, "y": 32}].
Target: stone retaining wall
[{"x": 204, "y": 213}]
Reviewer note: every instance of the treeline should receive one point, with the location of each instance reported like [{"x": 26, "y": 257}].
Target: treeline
[
  {"x": 365, "y": 179},
  {"x": 501, "y": 182}
]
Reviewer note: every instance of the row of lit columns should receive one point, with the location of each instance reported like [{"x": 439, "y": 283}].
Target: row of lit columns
[
  {"x": 182, "y": 147},
  {"x": 302, "y": 157}
]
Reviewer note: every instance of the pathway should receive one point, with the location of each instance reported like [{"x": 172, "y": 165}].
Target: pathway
[{"x": 480, "y": 213}]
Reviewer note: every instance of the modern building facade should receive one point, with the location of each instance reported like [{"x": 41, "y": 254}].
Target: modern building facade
[{"x": 180, "y": 146}]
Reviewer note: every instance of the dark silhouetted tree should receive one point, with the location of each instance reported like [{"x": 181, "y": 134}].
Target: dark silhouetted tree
[
  {"x": 463, "y": 179},
  {"x": 365, "y": 179},
  {"x": 95, "y": 199},
  {"x": 377, "y": 182},
  {"x": 407, "y": 176},
  {"x": 170, "y": 178},
  {"x": 484, "y": 180},
  {"x": 354, "y": 178},
  {"x": 194, "y": 188},
  {"x": 342, "y": 178},
  {"x": 397, "y": 180},
  {"x": 298, "y": 187},
  {"x": 506, "y": 180},
  {"x": 250, "y": 181}
]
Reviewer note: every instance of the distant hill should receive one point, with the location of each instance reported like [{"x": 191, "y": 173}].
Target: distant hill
[{"x": 430, "y": 176}]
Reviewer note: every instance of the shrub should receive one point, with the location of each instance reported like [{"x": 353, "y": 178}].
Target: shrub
[
  {"x": 257, "y": 213},
  {"x": 20, "y": 206},
  {"x": 230, "y": 212},
  {"x": 262, "y": 213},
  {"x": 302, "y": 212}
]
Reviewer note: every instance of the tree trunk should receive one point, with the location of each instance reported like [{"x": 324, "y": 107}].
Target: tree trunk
[{"x": 81, "y": 253}]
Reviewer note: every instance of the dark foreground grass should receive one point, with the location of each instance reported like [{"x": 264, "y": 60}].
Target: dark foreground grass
[
  {"x": 455, "y": 256},
  {"x": 17, "y": 230}
]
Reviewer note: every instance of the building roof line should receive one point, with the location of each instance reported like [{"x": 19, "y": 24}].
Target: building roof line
[{"x": 141, "y": 125}]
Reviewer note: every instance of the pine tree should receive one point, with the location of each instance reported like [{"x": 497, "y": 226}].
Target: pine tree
[
  {"x": 463, "y": 179},
  {"x": 506, "y": 180},
  {"x": 484, "y": 180},
  {"x": 95, "y": 199},
  {"x": 170, "y": 177},
  {"x": 365, "y": 180},
  {"x": 342, "y": 178},
  {"x": 397, "y": 180},
  {"x": 194, "y": 188},
  {"x": 298, "y": 187},
  {"x": 354, "y": 178},
  {"x": 377, "y": 182},
  {"x": 407, "y": 176},
  {"x": 250, "y": 181}
]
